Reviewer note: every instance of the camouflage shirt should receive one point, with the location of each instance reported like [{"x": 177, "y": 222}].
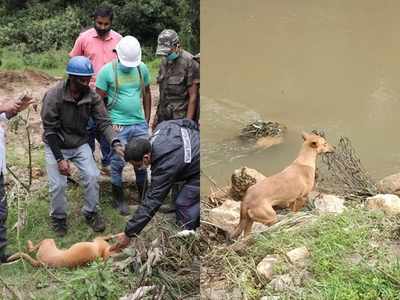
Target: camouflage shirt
[{"x": 174, "y": 79}]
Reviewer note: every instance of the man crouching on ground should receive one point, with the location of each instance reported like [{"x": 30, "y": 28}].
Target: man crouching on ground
[
  {"x": 65, "y": 113},
  {"x": 174, "y": 155}
]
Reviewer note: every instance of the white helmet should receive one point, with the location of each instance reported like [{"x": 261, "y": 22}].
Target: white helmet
[{"x": 129, "y": 51}]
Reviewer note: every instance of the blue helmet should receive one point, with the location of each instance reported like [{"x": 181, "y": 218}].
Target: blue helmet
[{"x": 80, "y": 66}]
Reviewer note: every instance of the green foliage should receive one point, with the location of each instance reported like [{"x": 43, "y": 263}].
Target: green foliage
[
  {"x": 153, "y": 66},
  {"x": 53, "y": 62},
  {"x": 38, "y": 29},
  {"x": 98, "y": 281},
  {"x": 331, "y": 241},
  {"x": 36, "y": 26}
]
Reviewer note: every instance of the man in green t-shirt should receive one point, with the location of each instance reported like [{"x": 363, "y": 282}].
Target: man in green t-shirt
[{"x": 123, "y": 82}]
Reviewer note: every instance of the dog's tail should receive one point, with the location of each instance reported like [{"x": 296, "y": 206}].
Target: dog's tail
[
  {"x": 25, "y": 256},
  {"x": 244, "y": 219}
]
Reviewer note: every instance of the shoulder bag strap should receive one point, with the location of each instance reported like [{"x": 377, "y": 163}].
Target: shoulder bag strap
[
  {"x": 116, "y": 89},
  {"x": 142, "y": 91},
  {"x": 141, "y": 82}
]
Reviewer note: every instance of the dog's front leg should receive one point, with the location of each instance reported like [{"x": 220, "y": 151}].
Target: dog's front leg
[{"x": 31, "y": 247}]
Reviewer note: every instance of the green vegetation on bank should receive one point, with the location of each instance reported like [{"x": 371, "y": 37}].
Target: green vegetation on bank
[
  {"x": 53, "y": 62},
  {"x": 38, "y": 26},
  {"x": 353, "y": 256},
  {"x": 98, "y": 280}
]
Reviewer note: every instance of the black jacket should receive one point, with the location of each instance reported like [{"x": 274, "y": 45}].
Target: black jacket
[
  {"x": 167, "y": 167},
  {"x": 67, "y": 119}
]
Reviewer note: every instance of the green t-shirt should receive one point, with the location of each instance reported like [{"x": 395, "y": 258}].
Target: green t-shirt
[{"x": 128, "y": 108}]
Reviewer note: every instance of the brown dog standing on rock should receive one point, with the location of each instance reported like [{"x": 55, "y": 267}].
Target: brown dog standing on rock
[
  {"x": 78, "y": 254},
  {"x": 289, "y": 188}
]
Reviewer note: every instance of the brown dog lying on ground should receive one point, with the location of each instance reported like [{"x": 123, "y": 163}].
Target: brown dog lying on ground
[
  {"x": 289, "y": 188},
  {"x": 78, "y": 254}
]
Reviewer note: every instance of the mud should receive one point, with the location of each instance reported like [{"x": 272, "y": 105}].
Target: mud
[{"x": 15, "y": 83}]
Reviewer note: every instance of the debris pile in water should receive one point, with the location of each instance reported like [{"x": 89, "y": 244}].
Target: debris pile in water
[
  {"x": 259, "y": 129},
  {"x": 343, "y": 174}
]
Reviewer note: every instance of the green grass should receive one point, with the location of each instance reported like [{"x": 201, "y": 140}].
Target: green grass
[
  {"x": 52, "y": 62},
  {"x": 153, "y": 66},
  {"x": 97, "y": 278},
  {"x": 41, "y": 283},
  {"x": 330, "y": 240},
  {"x": 24, "y": 277}
]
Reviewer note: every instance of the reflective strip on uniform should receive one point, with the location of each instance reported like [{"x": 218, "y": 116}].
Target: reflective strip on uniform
[
  {"x": 154, "y": 136},
  {"x": 186, "y": 145}
]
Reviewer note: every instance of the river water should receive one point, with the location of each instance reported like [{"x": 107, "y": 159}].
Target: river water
[{"x": 310, "y": 64}]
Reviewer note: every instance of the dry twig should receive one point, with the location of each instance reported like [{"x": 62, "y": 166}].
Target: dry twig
[
  {"x": 343, "y": 174},
  {"x": 11, "y": 290}
]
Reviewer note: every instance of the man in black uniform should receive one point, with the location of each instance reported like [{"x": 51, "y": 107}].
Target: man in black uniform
[
  {"x": 178, "y": 79},
  {"x": 174, "y": 155}
]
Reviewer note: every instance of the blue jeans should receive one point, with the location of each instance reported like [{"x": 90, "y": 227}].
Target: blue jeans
[
  {"x": 82, "y": 157},
  {"x": 104, "y": 145},
  {"x": 140, "y": 130}
]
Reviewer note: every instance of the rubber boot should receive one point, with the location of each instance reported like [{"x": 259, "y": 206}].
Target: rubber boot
[
  {"x": 141, "y": 191},
  {"x": 60, "y": 226},
  {"x": 118, "y": 200},
  {"x": 96, "y": 222}
]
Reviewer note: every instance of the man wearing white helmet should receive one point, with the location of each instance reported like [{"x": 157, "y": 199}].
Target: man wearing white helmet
[{"x": 126, "y": 84}]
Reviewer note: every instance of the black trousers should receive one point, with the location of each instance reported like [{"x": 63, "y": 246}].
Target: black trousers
[
  {"x": 188, "y": 205},
  {"x": 3, "y": 215}
]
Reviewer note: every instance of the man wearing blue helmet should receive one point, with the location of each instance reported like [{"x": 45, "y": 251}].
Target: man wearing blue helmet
[{"x": 66, "y": 110}]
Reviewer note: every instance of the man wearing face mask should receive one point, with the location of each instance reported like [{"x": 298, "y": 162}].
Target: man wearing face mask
[
  {"x": 126, "y": 84},
  {"x": 178, "y": 79},
  {"x": 98, "y": 44},
  {"x": 65, "y": 112},
  {"x": 174, "y": 155}
]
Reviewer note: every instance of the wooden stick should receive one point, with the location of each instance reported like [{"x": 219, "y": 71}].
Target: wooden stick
[
  {"x": 28, "y": 135},
  {"x": 213, "y": 182},
  {"x": 17, "y": 179}
]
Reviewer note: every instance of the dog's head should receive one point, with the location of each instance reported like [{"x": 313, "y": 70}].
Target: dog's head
[
  {"x": 105, "y": 249},
  {"x": 102, "y": 246},
  {"x": 317, "y": 142}
]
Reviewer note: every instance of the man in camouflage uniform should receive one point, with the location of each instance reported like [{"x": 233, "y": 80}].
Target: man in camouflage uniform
[{"x": 178, "y": 79}]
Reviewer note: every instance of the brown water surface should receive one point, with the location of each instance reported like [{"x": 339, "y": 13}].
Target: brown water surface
[{"x": 331, "y": 65}]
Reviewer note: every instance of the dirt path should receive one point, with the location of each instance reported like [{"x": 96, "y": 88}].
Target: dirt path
[{"x": 13, "y": 84}]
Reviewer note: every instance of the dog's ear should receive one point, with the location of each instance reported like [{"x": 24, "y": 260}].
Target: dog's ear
[{"x": 304, "y": 135}]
